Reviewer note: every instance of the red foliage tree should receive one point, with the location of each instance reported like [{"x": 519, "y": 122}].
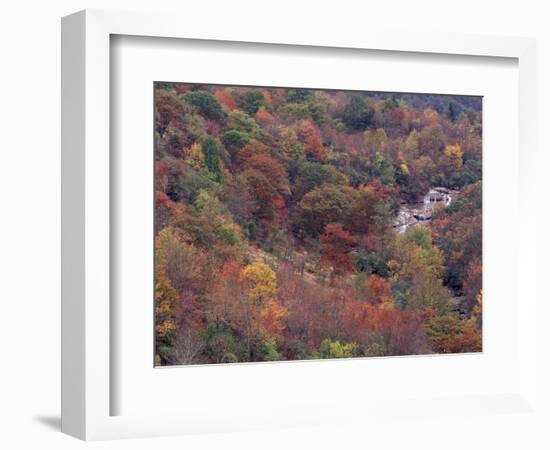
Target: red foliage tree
[
  {"x": 182, "y": 88},
  {"x": 336, "y": 245},
  {"x": 168, "y": 109},
  {"x": 401, "y": 330},
  {"x": 270, "y": 168},
  {"x": 189, "y": 313},
  {"x": 362, "y": 218},
  {"x": 381, "y": 190},
  {"x": 161, "y": 176},
  {"x": 213, "y": 128},
  {"x": 399, "y": 117},
  {"x": 279, "y": 202},
  {"x": 163, "y": 206}
]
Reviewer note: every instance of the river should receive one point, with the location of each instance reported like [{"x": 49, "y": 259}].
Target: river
[{"x": 414, "y": 213}]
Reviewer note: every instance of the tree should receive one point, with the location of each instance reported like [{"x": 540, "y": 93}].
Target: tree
[
  {"x": 312, "y": 174},
  {"x": 183, "y": 183},
  {"x": 238, "y": 198},
  {"x": 298, "y": 95},
  {"x": 221, "y": 346},
  {"x": 206, "y": 104},
  {"x": 375, "y": 345},
  {"x": 187, "y": 346},
  {"x": 180, "y": 262},
  {"x": 269, "y": 350},
  {"x": 335, "y": 349},
  {"x": 412, "y": 143},
  {"x": 367, "y": 214},
  {"x": 251, "y": 101},
  {"x": 357, "y": 115},
  {"x": 453, "y": 111},
  {"x": 454, "y": 154},
  {"x": 336, "y": 247},
  {"x": 163, "y": 206},
  {"x": 208, "y": 227},
  {"x": 379, "y": 290},
  {"x": 370, "y": 262},
  {"x": 324, "y": 205},
  {"x": 211, "y": 150},
  {"x": 472, "y": 283},
  {"x": 415, "y": 272},
  {"x": 288, "y": 142},
  {"x": 259, "y": 281},
  {"x": 457, "y": 232},
  {"x": 194, "y": 156},
  {"x": 257, "y": 285},
  {"x": 252, "y": 148},
  {"x": 263, "y": 116},
  {"x": 399, "y": 329},
  {"x": 166, "y": 300},
  {"x": 262, "y": 193},
  {"x": 243, "y": 301},
  {"x": 168, "y": 109},
  {"x": 310, "y": 135},
  {"x": 384, "y": 169},
  {"x": 234, "y": 140},
  {"x": 240, "y": 121},
  {"x": 451, "y": 163},
  {"x": 273, "y": 315},
  {"x": 225, "y": 98},
  {"x": 270, "y": 168},
  {"x": 449, "y": 334},
  {"x": 177, "y": 126},
  {"x": 432, "y": 141}
]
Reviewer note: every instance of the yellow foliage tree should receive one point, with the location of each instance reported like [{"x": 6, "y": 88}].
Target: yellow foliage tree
[
  {"x": 288, "y": 143},
  {"x": 412, "y": 142},
  {"x": 195, "y": 157},
  {"x": 454, "y": 154},
  {"x": 259, "y": 281},
  {"x": 420, "y": 264},
  {"x": 166, "y": 299}
]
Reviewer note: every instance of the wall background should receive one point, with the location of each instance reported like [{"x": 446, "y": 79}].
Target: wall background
[{"x": 30, "y": 221}]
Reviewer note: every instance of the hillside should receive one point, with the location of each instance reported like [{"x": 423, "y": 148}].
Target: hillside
[{"x": 274, "y": 221}]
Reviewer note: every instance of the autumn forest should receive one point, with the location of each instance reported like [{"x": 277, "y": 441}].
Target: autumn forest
[{"x": 296, "y": 224}]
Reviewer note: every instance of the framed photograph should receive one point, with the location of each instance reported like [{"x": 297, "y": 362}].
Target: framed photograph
[{"x": 270, "y": 229}]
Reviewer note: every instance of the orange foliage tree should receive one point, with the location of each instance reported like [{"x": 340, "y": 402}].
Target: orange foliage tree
[
  {"x": 379, "y": 289},
  {"x": 310, "y": 136},
  {"x": 226, "y": 99},
  {"x": 263, "y": 116}
]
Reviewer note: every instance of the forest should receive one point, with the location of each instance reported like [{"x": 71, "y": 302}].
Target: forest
[{"x": 296, "y": 224}]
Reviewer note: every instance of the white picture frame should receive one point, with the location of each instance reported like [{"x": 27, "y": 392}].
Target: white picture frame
[{"x": 86, "y": 284}]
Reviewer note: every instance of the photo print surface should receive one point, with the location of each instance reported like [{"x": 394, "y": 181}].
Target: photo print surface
[{"x": 298, "y": 224}]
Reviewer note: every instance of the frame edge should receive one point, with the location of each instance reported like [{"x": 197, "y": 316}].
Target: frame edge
[{"x": 73, "y": 318}]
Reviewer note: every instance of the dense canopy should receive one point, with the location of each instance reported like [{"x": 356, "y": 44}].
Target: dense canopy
[{"x": 277, "y": 224}]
